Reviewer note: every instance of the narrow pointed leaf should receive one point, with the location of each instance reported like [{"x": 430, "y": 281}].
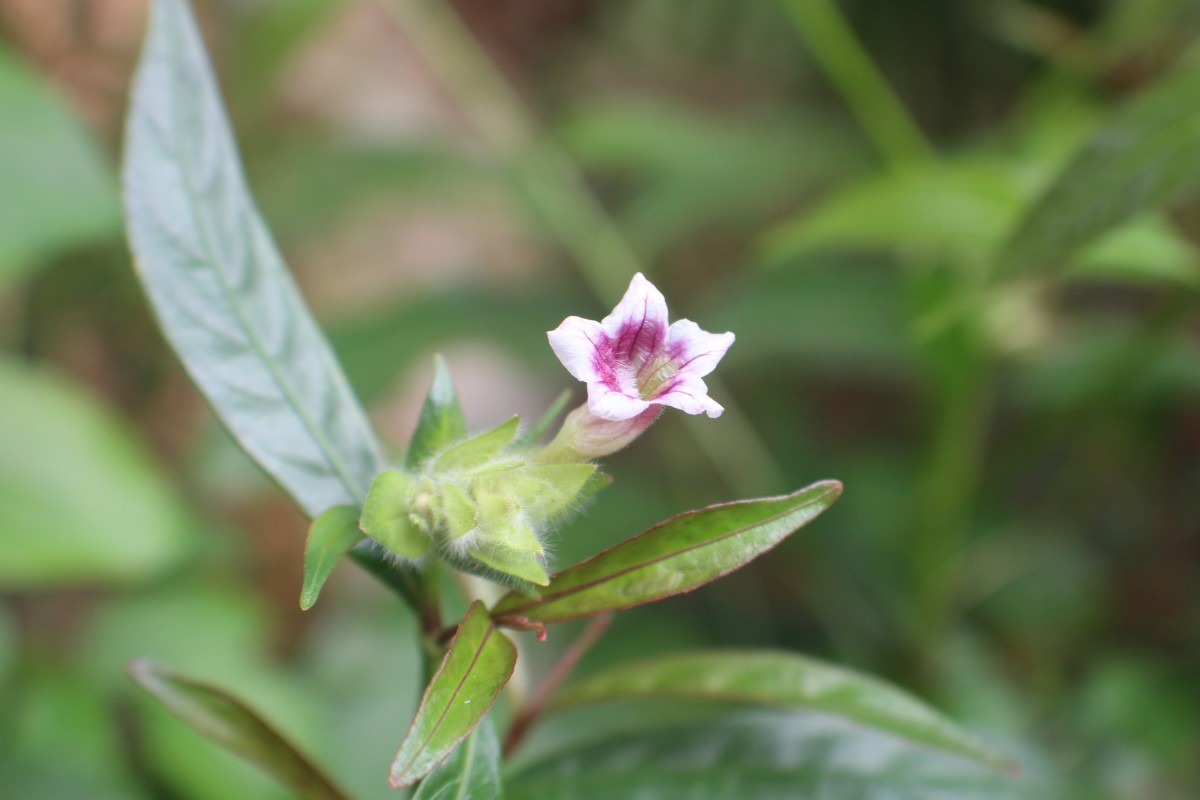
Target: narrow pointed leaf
[
  {"x": 219, "y": 287},
  {"x": 675, "y": 556},
  {"x": 480, "y": 661},
  {"x": 330, "y": 537},
  {"x": 463, "y": 562},
  {"x": 765, "y": 755},
  {"x": 1146, "y": 156},
  {"x": 228, "y": 722},
  {"x": 543, "y": 423},
  {"x": 386, "y": 515},
  {"x": 481, "y": 448},
  {"x": 471, "y": 773},
  {"x": 441, "y": 422},
  {"x": 783, "y": 681},
  {"x": 521, "y": 566}
]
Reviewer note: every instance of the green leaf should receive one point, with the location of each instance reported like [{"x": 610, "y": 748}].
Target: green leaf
[
  {"x": 675, "y": 556},
  {"x": 228, "y": 722},
  {"x": 1146, "y": 156},
  {"x": 1146, "y": 250},
  {"x": 763, "y": 755},
  {"x": 474, "y": 671},
  {"x": 464, "y": 562},
  {"x": 220, "y": 288},
  {"x": 480, "y": 449},
  {"x": 80, "y": 500},
  {"x": 441, "y": 422},
  {"x": 471, "y": 773},
  {"x": 783, "y": 681},
  {"x": 386, "y": 515},
  {"x": 960, "y": 208},
  {"x": 537, "y": 429},
  {"x": 523, "y": 566},
  {"x": 57, "y": 191},
  {"x": 330, "y": 537},
  {"x": 480, "y": 661}
]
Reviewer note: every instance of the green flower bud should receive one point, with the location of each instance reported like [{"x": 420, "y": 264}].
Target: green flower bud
[
  {"x": 388, "y": 515},
  {"x": 484, "y": 503}
]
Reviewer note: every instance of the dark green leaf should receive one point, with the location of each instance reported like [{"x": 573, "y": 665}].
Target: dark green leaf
[
  {"x": 1146, "y": 156},
  {"x": 471, "y": 773},
  {"x": 480, "y": 661},
  {"x": 763, "y": 756},
  {"x": 441, "y": 422},
  {"x": 675, "y": 556},
  {"x": 784, "y": 681},
  {"x": 219, "y": 286},
  {"x": 228, "y": 722},
  {"x": 330, "y": 537},
  {"x": 56, "y": 191},
  {"x": 80, "y": 500}
]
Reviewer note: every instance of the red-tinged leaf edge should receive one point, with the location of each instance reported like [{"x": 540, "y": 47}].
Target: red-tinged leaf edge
[
  {"x": 397, "y": 782},
  {"x": 512, "y": 618}
]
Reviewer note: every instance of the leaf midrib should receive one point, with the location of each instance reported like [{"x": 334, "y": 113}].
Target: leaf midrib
[
  {"x": 554, "y": 597},
  {"x": 334, "y": 460}
]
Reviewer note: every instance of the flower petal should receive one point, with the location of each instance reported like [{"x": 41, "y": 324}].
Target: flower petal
[
  {"x": 688, "y": 393},
  {"x": 613, "y": 405},
  {"x": 696, "y": 351},
  {"x": 580, "y": 344},
  {"x": 637, "y": 327}
]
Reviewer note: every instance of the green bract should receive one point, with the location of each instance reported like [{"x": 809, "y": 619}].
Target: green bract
[{"x": 482, "y": 502}]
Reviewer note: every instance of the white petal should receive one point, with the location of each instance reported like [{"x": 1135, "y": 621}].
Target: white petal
[
  {"x": 608, "y": 404},
  {"x": 695, "y": 351},
  {"x": 577, "y": 342},
  {"x": 689, "y": 394},
  {"x": 637, "y": 327}
]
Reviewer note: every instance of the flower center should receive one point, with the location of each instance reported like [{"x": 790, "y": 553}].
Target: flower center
[{"x": 653, "y": 374}]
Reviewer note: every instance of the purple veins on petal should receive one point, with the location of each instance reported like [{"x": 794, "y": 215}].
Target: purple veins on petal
[{"x": 633, "y": 359}]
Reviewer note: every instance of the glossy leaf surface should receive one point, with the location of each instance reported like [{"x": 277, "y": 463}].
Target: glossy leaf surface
[
  {"x": 471, "y": 773},
  {"x": 330, "y": 537},
  {"x": 1146, "y": 156},
  {"x": 785, "y": 681},
  {"x": 228, "y": 722},
  {"x": 675, "y": 556},
  {"x": 441, "y": 422},
  {"x": 476, "y": 667},
  {"x": 762, "y": 756},
  {"x": 219, "y": 287}
]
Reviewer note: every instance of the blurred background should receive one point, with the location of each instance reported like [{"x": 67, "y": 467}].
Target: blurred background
[{"x": 1019, "y": 541}]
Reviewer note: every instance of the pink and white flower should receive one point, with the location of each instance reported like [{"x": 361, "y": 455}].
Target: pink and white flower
[{"x": 632, "y": 360}]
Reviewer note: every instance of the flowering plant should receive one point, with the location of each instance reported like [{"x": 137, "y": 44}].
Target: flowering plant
[{"x": 460, "y": 504}]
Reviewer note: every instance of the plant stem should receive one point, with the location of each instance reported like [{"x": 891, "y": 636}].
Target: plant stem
[
  {"x": 562, "y": 670},
  {"x": 558, "y": 194},
  {"x": 832, "y": 42},
  {"x": 403, "y": 581},
  {"x": 951, "y": 486}
]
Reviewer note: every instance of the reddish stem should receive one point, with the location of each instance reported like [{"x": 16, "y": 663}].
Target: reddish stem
[{"x": 562, "y": 670}]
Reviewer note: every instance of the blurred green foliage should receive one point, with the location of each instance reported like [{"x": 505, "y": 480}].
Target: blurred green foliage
[{"x": 1020, "y": 536}]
